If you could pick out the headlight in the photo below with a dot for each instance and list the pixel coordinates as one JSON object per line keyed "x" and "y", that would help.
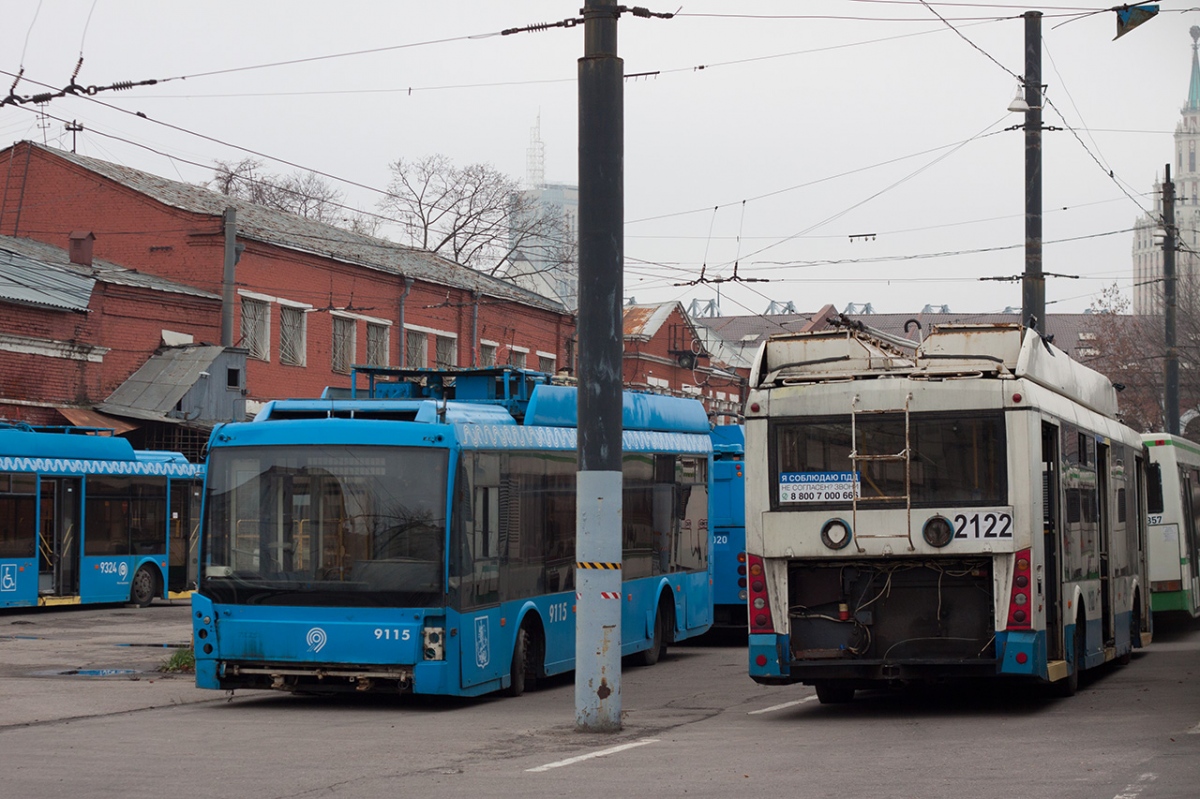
{"x": 835, "y": 534}
{"x": 937, "y": 531}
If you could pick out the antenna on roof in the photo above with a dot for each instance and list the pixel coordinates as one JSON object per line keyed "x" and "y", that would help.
{"x": 535, "y": 156}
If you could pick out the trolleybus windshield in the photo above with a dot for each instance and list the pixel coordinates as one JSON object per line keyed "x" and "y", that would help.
{"x": 953, "y": 459}
{"x": 325, "y": 525}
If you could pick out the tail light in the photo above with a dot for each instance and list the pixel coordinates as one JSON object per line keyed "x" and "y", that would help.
{"x": 759, "y": 604}
{"x": 1020, "y": 608}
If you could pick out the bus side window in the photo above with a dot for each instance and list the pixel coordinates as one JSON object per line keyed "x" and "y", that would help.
{"x": 479, "y": 543}
{"x": 1154, "y": 493}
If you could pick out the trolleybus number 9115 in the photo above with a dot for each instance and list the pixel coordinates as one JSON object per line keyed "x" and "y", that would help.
{"x": 392, "y": 634}
{"x": 983, "y": 525}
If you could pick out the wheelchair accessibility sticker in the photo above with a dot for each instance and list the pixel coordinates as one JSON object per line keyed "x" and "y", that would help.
{"x": 483, "y": 646}
{"x": 8, "y": 577}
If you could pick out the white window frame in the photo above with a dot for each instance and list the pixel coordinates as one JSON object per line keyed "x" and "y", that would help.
{"x": 495, "y": 347}
{"x": 437, "y": 341}
{"x": 411, "y": 362}
{"x": 386, "y": 331}
{"x": 429, "y": 332}
{"x": 524, "y": 351}
{"x": 333, "y": 337}
{"x": 302, "y": 345}
{"x": 263, "y": 352}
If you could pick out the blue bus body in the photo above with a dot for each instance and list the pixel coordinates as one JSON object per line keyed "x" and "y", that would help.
{"x": 85, "y": 518}
{"x": 399, "y": 542}
{"x": 729, "y": 526}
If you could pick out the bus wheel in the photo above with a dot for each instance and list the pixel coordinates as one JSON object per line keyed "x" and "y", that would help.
{"x": 144, "y": 587}
{"x": 522, "y": 649}
{"x": 834, "y": 692}
{"x": 658, "y": 645}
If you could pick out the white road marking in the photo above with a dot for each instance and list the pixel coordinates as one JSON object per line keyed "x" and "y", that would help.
{"x": 773, "y": 708}
{"x": 1134, "y": 790}
{"x": 1194, "y": 730}
{"x": 610, "y": 751}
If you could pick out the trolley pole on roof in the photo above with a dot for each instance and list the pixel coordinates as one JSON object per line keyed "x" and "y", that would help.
{"x": 1033, "y": 283}
{"x": 601, "y": 259}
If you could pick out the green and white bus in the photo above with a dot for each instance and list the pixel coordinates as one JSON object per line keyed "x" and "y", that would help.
{"x": 1173, "y": 506}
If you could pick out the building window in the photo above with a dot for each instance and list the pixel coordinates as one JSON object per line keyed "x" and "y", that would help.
{"x": 377, "y": 344}
{"x": 516, "y": 358}
{"x": 545, "y": 364}
{"x": 291, "y": 336}
{"x": 256, "y": 328}
{"x": 343, "y": 344}
{"x": 447, "y": 352}
{"x": 487, "y": 354}
{"x": 233, "y": 378}
{"x": 414, "y": 349}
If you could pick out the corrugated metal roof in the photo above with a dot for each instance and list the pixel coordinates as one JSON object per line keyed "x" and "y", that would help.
{"x": 158, "y": 386}
{"x": 295, "y": 232}
{"x": 644, "y": 321}
{"x": 47, "y": 255}
{"x": 29, "y": 281}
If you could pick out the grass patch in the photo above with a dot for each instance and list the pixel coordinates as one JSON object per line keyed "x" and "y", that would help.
{"x": 182, "y": 661}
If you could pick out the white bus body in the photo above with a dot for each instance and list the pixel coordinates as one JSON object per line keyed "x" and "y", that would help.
{"x": 970, "y": 509}
{"x": 1174, "y": 503}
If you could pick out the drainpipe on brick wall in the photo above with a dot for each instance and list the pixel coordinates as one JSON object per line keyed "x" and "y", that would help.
{"x": 229, "y": 220}
{"x": 475, "y": 329}
{"x": 403, "y": 337}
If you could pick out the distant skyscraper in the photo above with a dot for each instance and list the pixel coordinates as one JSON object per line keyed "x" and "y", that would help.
{"x": 544, "y": 232}
{"x": 1147, "y": 255}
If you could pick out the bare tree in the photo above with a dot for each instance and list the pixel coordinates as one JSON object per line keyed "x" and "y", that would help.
{"x": 305, "y": 194}
{"x": 474, "y": 215}
{"x": 1128, "y": 349}
{"x": 1131, "y": 350}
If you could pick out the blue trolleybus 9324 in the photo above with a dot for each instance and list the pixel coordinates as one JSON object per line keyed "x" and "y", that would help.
{"x": 86, "y": 518}
{"x": 422, "y": 539}
{"x": 970, "y": 509}
{"x": 729, "y": 527}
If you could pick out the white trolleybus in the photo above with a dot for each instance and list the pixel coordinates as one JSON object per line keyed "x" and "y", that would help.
{"x": 1173, "y": 503}
{"x": 971, "y": 509}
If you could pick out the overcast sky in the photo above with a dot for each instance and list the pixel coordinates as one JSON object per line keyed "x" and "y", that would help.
{"x": 809, "y": 124}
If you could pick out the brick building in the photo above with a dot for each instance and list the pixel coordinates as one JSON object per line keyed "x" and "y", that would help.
{"x": 664, "y": 351}
{"x": 308, "y": 299}
{"x": 72, "y": 328}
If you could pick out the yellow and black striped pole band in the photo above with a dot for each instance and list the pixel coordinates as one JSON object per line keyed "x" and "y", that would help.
{"x": 591, "y": 564}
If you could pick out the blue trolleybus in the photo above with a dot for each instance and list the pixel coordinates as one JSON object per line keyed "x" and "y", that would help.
{"x": 729, "y": 526}
{"x": 422, "y": 539}
{"x": 86, "y": 518}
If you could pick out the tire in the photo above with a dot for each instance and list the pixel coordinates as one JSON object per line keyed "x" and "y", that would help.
{"x": 143, "y": 588}
{"x": 658, "y": 643}
{"x": 1070, "y": 685}
{"x": 834, "y": 692}
{"x": 519, "y": 669}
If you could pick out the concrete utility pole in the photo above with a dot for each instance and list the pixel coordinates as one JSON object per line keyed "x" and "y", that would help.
{"x": 1171, "y": 377}
{"x": 1033, "y": 283}
{"x": 601, "y": 259}
{"x": 229, "y": 220}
